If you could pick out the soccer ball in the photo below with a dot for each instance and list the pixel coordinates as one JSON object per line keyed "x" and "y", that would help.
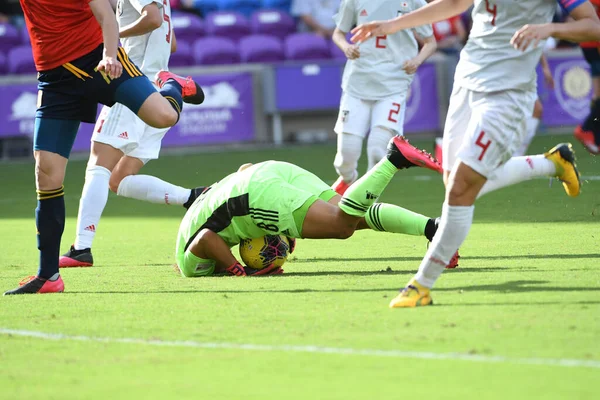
{"x": 261, "y": 252}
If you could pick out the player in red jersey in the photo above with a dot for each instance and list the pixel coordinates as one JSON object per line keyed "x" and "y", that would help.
{"x": 80, "y": 64}
{"x": 588, "y": 133}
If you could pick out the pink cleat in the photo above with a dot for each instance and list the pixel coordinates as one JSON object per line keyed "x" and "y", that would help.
{"x": 76, "y": 258}
{"x": 404, "y": 155}
{"x": 190, "y": 91}
{"x": 35, "y": 284}
{"x": 340, "y": 186}
{"x": 453, "y": 261}
{"x": 588, "y": 140}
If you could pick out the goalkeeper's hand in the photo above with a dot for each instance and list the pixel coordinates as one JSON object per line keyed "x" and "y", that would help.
{"x": 292, "y": 243}
{"x": 238, "y": 269}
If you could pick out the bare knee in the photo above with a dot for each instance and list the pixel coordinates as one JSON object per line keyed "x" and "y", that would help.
{"x": 166, "y": 118}
{"x": 115, "y": 181}
{"x": 464, "y": 186}
{"x": 49, "y": 170}
{"x": 538, "y": 110}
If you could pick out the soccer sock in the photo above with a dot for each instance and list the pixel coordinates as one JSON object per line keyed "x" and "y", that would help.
{"x": 519, "y": 169}
{"x": 363, "y": 193}
{"x": 390, "y": 218}
{"x": 154, "y": 190}
{"x": 349, "y": 148}
{"x": 91, "y": 205}
{"x": 590, "y": 121}
{"x": 452, "y": 232}
{"x": 377, "y": 144}
{"x": 532, "y": 126}
{"x": 50, "y": 222}
{"x": 171, "y": 91}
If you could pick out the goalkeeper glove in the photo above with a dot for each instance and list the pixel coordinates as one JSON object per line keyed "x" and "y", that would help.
{"x": 238, "y": 269}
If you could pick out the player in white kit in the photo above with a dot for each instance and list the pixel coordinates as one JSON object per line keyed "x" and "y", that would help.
{"x": 494, "y": 93}
{"x": 376, "y": 81}
{"x": 122, "y": 143}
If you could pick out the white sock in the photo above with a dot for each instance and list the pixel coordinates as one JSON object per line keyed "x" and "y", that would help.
{"x": 91, "y": 205}
{"x": 452, "y": 232}
{"x": 519, "y": 169}
{"x": 349, "y": 148}
{"x": 377, "y": 144}
{"x": 152, "y": 189}
{"x": 532, "y": 126}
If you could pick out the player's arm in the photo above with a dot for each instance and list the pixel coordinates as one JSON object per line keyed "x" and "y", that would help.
{"x": 207, "y": 245}
{"x": 173, "y": 41}
{"x": 105, "y": 16}
{"x": 350, "y": 50}
{"x": 435, "y": 11}
{"x": 584, "y": 26}
{"x": 345, "y": 19}
{"x": 151, "y": 18}
{"x": 428, "y": 47}
{"x": 548, "y": 78}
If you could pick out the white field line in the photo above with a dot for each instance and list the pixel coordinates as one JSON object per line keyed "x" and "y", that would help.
{"x": 560, "y": 362}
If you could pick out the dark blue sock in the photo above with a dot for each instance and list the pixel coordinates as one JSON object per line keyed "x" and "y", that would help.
{"x": 171, "y": 91}
{"x": 50, "y": 222}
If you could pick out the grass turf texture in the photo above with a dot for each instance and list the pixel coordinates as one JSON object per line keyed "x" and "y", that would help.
{"x": 528, "y": 287}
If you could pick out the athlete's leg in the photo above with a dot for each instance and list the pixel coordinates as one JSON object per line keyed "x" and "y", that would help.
{"x": 531, "y": 128}
{"x": 351, "y": 128}
{"x": 387, "y": 120}
{"x": 383, "y": 217}
{"x": 377, "y": 144}
{"x": 493, "y": 133}
{"x": 125, "y": 182}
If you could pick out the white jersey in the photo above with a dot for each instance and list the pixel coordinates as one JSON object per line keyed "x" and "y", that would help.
{"x": 150, "y": 52}
{"x": 377, "y": 73}
{"x": 488, "y": 62}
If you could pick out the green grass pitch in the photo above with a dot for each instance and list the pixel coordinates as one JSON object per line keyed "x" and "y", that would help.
{"x": 525, "y": 299}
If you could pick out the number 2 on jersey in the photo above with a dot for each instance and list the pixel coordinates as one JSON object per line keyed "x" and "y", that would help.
{"x": 168, "y": 20}
{"x": 492, "y": 10}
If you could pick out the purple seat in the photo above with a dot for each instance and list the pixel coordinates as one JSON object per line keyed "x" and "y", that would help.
{"x": 229, "y": 24}
{"x": 261, "y": 48}
{"x": 215, "y": 51}
{"x": 20, "y": 60}
{"x": 272, "y": 22}
{"x": 9, "y": 37}
{"x": 183, "y": 57}
{"x": 187, "y": 26}
{"x": 306, "y": 46}
{"x": 3, "y": 66}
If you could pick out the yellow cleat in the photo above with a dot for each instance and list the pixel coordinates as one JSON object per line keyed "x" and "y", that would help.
{"x": 563, "y": 157}
{"x": 413, "y": 295}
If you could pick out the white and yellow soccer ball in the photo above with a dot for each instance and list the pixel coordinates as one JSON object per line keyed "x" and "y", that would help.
{"x": 261, "y": 252}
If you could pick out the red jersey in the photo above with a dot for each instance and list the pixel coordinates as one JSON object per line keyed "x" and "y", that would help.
{"x": 596, "y": 4}
{"x": 60, "y": 31}
{"x": 445, "y": 28}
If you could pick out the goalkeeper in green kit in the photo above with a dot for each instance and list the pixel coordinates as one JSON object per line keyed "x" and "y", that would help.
{"x": 274, "y": 197}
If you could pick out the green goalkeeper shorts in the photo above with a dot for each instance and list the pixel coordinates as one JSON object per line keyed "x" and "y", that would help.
{"x": 288, "y": 189}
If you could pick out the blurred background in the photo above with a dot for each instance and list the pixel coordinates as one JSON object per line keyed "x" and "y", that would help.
{"x": 272, "y": 76}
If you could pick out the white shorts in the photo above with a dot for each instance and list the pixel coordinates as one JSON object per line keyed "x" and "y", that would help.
{"x": 358, "y": 117}
{"x": 483, "y": 130}
{"x": 120, "y": 128}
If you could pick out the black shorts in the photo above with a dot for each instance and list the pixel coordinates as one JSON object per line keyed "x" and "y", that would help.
{"x": 592, "y": 56}
{"x": 73, "y": 90}
{"x": 70, "y": 94}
